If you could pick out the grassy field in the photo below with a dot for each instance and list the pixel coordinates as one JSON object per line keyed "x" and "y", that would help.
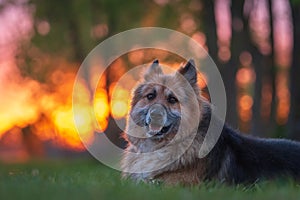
{"x": 91, "y": 180}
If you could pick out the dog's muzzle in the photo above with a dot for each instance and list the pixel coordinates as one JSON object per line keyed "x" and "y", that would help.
{"x": 156, "y": 119}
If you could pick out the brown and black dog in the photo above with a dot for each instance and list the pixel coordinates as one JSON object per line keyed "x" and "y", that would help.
{"x": 166, "y": 127}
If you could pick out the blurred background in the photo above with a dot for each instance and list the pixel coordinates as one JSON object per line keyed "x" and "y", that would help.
{"x": 255, "y": 44}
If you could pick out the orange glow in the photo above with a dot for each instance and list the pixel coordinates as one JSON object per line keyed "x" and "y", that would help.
{"x": 245, "y": 76}
{"x": 246, "y": 102}
{"x": 245, "y": 58}
{"x": 266, "y": 100}
{"x": 101, "y": 108}
{"x": 283, "y": 96}
{"x": 65, "y": 127}
{"x": 200, "y": 38}
{"x": 202, "y": 80}
{"x": 187, "y": 23}
{"x": 119, "y": 109}
{"x": 282, "y": 112}
{"x": 59, "y": 123}
{"x": 119, "y": 102}
{"x": 45, "y": 108}
{"x": 18, "y": 108}
{"x": 245, "y": 105}
{"x": 135, "y": 57}
{"x": 224, "y": 53}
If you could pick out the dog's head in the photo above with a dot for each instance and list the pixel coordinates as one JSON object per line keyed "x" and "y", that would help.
{"x": 160, "y": 101}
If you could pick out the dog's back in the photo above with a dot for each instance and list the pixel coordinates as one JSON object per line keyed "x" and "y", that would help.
{"x": 247, "y": 159}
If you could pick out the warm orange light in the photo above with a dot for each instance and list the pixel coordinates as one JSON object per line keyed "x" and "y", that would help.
{"x": 50, "y": 114}
{"x": 101, "y": 108}
{"x": 119, "y": 102}
{"x": 199, "y": 37}
{"x": 282, "y": 112}
{"x": 119, "y": 109}
{"x": 202, "y": 80}
{"x": 188, "y": 23}
{"x": 66, "y": 131}
{"x": 246, "y": 102}
{"x": 135, "y": 57}
{"x": 224, "y": 53}
{"x": 245, "y": 105}
{"x": 84, "y": 123}
{"x": 266, "y": 100}
{"x": 17, "y": 105}
{"x": 283, "y": 97}
{"x": 245, "y": 76}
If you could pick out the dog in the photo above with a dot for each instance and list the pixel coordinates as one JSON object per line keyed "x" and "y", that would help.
{"x": 166, "y": 126}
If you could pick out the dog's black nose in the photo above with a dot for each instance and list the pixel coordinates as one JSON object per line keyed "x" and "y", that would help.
{"x": 156, "y": 115}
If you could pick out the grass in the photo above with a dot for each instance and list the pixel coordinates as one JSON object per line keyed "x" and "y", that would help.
{"x": 91, "y": 180}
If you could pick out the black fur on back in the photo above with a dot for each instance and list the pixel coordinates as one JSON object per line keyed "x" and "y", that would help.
{"x": 239, "y": 158}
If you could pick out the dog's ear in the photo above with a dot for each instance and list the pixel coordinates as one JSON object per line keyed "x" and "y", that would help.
{"x": 189, "y": 72}
{"x": 153, "y": 70}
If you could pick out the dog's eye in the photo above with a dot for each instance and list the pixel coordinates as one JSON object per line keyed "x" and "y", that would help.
{"x": 172, "y": 100}
{"x": 150, "y": 96}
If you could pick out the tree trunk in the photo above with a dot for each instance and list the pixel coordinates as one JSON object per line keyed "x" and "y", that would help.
{"x": 227, "y": 70}
{"x": 264, "y": 69}
{"x": 210, "y": 29}
{"x": 294, "y": 116}
{"x": 239, "y": 43}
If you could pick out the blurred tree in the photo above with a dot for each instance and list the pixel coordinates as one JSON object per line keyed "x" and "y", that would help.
{"x": 210, "y": 28}
{"x": 227, "y": 69}
{"x": 238, "y": 34}
{"x": 265, "y": 74}
{"x": 294, "y": 116}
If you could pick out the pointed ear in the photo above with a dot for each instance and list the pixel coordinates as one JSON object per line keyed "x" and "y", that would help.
{"x": 153, "y": 70}
{"x": 189, "y": 72}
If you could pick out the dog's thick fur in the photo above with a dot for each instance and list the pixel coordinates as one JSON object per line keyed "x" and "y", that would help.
{"x": 236, "y": 158}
